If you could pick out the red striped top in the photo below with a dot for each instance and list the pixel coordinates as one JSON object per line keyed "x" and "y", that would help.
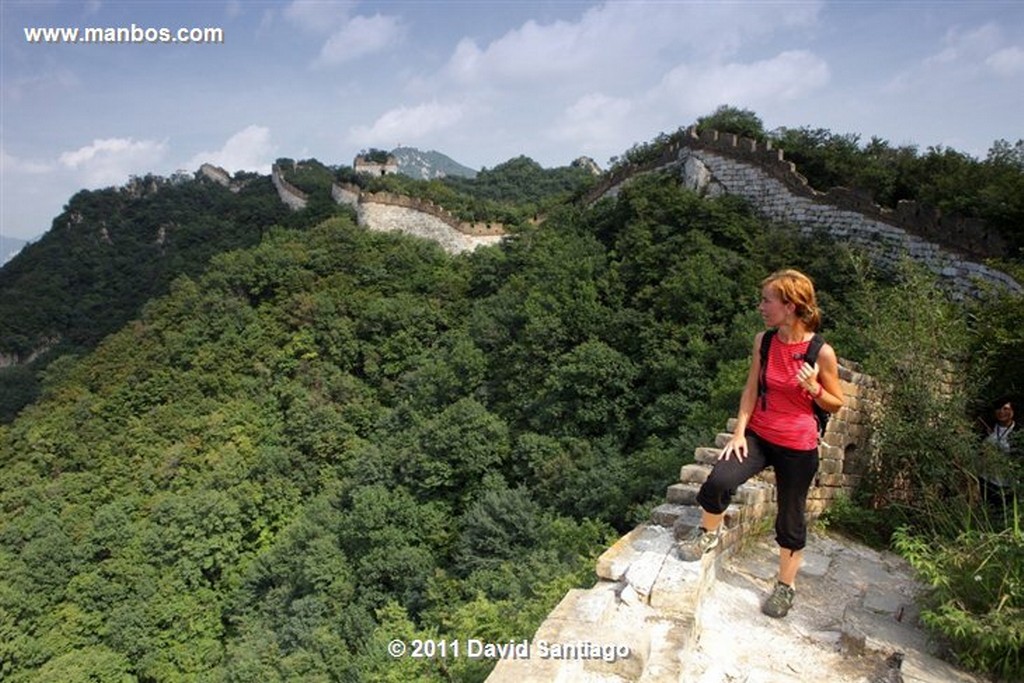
{"x": 788, "y": 420}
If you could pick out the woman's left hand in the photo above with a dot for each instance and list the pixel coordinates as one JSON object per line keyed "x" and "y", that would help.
{"x": 807, "y": 376}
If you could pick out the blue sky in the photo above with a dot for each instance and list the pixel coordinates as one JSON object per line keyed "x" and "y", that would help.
{"x": 481, "y": 81}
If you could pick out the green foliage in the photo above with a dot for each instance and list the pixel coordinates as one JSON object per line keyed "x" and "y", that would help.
{"x": 859, "y": 521}
{"x": 922, "y": 450}
{"x": 728, "y": 119}
{"x": 110, "y": 252}
{"x": 976, "y": 597}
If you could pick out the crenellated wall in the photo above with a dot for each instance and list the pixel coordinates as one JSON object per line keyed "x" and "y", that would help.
{"x": 292, "y": 196}
{"x": 387, "y": 211}
{"x": 712, "y": 164}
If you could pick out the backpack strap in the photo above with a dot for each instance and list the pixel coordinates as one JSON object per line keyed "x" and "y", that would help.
{"x": 811, "y": 356}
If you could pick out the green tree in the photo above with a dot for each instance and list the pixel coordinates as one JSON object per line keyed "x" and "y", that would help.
{"x": 729, "y": 119}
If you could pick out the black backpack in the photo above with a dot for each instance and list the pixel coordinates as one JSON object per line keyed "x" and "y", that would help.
{"x": 811, "y": 357}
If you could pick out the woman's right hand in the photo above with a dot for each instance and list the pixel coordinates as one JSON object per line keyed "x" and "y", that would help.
{"x": 738, "y": 445}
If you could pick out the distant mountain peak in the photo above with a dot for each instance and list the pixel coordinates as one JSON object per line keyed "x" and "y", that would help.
{"x": 422, "y": 165}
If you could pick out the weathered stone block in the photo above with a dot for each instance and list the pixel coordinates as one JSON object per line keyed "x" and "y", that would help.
{"x": 707, "y": 456}
{"x": 694, "y": 474}
{"x": 614, "y": 562}
{"x": 687, "y": 521}
{"x": 682, "y": 494}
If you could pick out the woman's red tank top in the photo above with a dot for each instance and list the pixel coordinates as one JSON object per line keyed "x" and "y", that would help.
{"x": 787, "y": 420}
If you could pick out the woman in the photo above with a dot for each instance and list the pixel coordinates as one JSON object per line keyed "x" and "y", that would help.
{"x": 776, "y": 430}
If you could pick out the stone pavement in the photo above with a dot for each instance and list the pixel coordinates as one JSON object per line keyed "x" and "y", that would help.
{"x": 655, "y": 619}
{"x": 854, "y": 607}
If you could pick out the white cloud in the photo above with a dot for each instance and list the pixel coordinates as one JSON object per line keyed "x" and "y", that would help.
{"x": 359, "y": 37}
{"x": 592, "y": 121}
{"x": 111, "y": 161}
{"x": 249, "y": 149}
{"x": 407, "y": 124}
{"x": 618, "y": 42}
{"x": 966, "y": 61}
{"x": 318, "y": 16}
{"x": 1007, "y": 62}
{"x": 967, "y": 47}
{"x": 699, "y": 89}
{"x": 12, "y": 165}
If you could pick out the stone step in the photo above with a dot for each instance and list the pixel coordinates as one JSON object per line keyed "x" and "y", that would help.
{"x": 669, "y": 515}
{"x": 754, "y": 492}
{"x": 722, "y": 438}
{"x": 693, "y": 473}
{"x": 613, "y": 563}
{"x": 682, "y": 493}
{"x": 706, "y": 455}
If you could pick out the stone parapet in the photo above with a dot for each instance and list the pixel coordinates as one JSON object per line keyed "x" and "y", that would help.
{"x": 294, "y": 198}
{"x": 387, "y": 211}
{"x": 713, "y": 163}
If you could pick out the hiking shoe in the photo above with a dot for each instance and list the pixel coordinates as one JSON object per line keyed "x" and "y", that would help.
{"x": 699, "y": 542}
{"x": 778, "y": 603}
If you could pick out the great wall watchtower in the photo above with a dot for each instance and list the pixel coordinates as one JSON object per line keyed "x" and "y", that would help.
{"x": 371, "y": 165}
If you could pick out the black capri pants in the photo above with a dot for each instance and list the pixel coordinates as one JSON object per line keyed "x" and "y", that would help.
{"x": 794, "y": 472}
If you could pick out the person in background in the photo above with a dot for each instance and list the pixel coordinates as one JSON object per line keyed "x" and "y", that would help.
{"x": 1001, "y": 454}
{"x": 777, "y": 429}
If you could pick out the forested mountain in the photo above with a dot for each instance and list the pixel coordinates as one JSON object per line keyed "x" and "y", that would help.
{"x": 112, "y": 250}
{"x": 286, "y": 441}
{"x": 336, "y": 437}
{"x": 108, "y": 253}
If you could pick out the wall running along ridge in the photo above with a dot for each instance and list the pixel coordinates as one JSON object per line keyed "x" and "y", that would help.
{"x": 713, "y": 164}
{"x": 388, "y": 212}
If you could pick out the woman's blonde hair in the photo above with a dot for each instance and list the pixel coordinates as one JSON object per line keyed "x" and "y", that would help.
{"x": 793, "y": 287}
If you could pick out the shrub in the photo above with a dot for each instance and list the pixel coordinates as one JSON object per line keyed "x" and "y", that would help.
{"x": 976, "y": 597}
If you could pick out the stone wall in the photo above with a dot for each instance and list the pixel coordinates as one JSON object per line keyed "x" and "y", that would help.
{"x": 216, "y": 174}
{"x": 375, "y": 168}
{"x": 394, "y": 218}
{"x": 714, "y": 164}
{"x": 294, "y": 198}
{"x": 387, "y": 211}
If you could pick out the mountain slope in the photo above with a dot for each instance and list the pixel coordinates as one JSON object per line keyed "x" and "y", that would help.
{"x": 427, "y": 165}
{"x": 339, "y": 437}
